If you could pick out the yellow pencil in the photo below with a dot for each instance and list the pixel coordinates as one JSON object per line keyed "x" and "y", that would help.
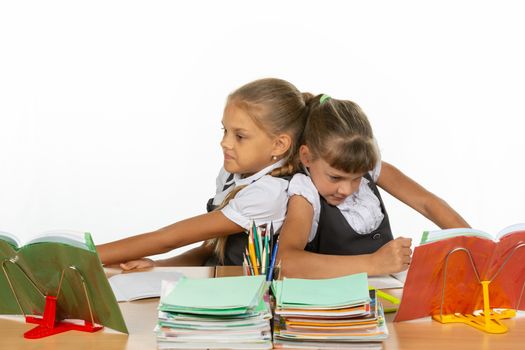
{"x": 251, "y": 250}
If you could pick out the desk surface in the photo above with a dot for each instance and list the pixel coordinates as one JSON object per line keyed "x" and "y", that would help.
{"x": 141, "y": 317}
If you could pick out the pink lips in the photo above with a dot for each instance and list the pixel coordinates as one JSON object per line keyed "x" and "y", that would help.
{"x": 337, "y": 200}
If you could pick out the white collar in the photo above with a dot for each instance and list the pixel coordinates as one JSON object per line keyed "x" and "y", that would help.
{"x": 248, "y": 180}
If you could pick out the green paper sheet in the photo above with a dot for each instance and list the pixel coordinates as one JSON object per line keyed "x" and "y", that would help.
{"x": 330, "y": 292}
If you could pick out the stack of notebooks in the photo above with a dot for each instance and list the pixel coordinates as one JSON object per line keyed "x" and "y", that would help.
{"x": 327, "y": 313}
{"x": 215, "y": 313}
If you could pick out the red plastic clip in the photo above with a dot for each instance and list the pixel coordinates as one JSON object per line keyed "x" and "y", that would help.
{"x": 47, "y": 325}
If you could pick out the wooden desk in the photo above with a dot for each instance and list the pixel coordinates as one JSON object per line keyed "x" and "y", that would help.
{"x": 426, "y": 333}
{"x": 141, "y": 317}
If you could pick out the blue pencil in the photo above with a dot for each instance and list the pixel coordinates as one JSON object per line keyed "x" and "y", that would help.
{"x": 272, "y": 264}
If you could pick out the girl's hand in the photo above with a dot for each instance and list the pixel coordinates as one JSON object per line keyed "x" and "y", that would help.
{"x": 137, "y": 264}
{"x": 394, "y": 256}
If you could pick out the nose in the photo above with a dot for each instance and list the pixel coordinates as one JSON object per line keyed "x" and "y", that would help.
{"x": 345, "y": 188}
{"x": 225, "y": 144}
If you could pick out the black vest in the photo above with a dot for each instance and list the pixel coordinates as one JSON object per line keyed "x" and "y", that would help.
{"x": 236, "y": 243}
{"x": 335, "y": 235}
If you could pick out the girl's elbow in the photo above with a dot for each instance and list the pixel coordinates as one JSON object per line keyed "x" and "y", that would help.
{"x": 281, "y": 257}
{"x": 285, "y": 259}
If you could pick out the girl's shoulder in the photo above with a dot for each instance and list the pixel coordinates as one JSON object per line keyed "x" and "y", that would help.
{"x": 267, "y": 187}
{"x": 301, "y": 180}
{"x": 302, "y": 185}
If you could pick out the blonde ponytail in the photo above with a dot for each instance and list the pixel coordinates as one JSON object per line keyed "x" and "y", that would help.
{"x": 219, "y": 243}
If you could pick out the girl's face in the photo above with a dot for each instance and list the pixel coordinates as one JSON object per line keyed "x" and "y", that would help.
{"x": 333, "y": 185}
{"x": 247, "y": 148}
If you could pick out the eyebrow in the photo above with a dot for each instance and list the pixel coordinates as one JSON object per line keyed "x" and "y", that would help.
{"x": 236, "y": 129}
{"x": 345, "y": 176}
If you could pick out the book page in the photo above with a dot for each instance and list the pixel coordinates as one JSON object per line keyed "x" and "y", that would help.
{"x": 438, "y": 235}
{"x": 333, "y": 292}
{"x": 510, "y": 229}
{"x": 69, "y": 237}
{"x": 384, "y": 282}
{"x": 401, "y": 276}
{"x": 140, "y": 285}
{"x": 220, "y": 294}
{"x": 10, "y": 238}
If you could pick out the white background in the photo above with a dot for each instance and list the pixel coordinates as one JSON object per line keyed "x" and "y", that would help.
{"x": 110, "y": 111}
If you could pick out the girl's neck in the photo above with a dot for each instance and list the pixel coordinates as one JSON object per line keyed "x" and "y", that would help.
{"x": 266, "y": 169}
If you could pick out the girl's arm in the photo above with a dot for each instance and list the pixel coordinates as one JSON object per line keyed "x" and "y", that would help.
{"x": 195, "y": 229}
{"x": 296, "y": 262}
{"x": 393, "y": 181}
{"x": 193, "y": 257}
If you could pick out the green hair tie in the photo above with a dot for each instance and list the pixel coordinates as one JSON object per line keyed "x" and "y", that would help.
{"x": 324, "y": 98}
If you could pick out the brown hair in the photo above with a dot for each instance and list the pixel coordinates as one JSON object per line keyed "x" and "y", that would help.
{"x": 277, "y": 107}
{"x": 339, "y": 132}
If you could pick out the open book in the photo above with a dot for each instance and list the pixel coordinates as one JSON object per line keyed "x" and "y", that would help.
{"x": 68, "y": 237}
{"x": 140, "y": 285}
{"x": 448, "y": 265}
{"x": 395, "y": 280}
{"x": 61, "y": 264}
{"x": 438, "y": 235}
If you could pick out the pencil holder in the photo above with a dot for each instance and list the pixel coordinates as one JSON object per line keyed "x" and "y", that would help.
{"x": 274, "y": 275}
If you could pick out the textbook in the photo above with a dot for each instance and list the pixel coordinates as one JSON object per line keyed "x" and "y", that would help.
{"x": 332, "y": 313}
{"x": 140, "y": 285}
{"x": 218, "y": 296}
{"x": 334, "y": 292}
{"x": 214, "y": 313}
{"x": 395, "y": 280}
{"x": 59, "y": 265}
{"x": 448, "y": 266}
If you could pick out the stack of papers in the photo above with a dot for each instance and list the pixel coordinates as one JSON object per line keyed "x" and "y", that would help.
{"x": 327, "y": 313}
{"x": 215, "y": 313}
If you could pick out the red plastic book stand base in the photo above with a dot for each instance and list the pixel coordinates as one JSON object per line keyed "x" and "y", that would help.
{"x": 47, "y": 325}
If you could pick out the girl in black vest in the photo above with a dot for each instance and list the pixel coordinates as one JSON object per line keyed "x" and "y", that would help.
{"x": 336, "y": 222}
{"x": 262, "y": 124}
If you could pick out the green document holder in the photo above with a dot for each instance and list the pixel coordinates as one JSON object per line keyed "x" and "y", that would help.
{"x": 52, "y": 284}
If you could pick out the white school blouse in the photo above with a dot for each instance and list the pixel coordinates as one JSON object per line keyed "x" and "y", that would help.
{"x": 362, "y": 210}
{"x": 263, "y": 200}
